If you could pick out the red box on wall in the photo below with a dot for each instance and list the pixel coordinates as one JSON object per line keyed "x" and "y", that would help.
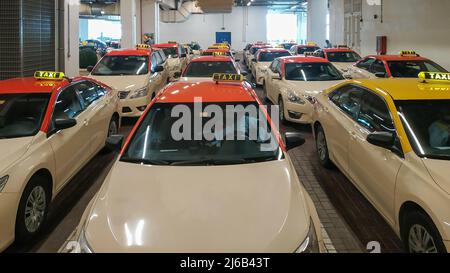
{"x": 381, "y": 45}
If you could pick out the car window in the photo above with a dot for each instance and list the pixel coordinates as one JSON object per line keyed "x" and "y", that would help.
{"x": 163, "y": 56}
{"x": 270, "y": 56}
{"x": 274, "y": 65}
{"x": 279, "y": 68}
{"x": 303, "y": 50}
{"x": 410, "y": 69}
{"x": 154, "y": 62}
{"x": 349, "y": 100}
{"x": 311, "y": 72}
{"x": 68, "y": 104}
{"x": 159, "y": 60}
{"x": 374, "y": 114}
{"x": 101, "y": 91}
{"x": 366, "y": 63}
{"x": 87, "y": 91}
{"x": 378, "y": 67}
{"x": 320, "y": 53}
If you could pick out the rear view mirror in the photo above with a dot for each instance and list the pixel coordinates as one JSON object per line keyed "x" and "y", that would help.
{"x": 384, "y": 140}
{"x": 276, "y": 76}
{"x": 159, "y": 68}
{"x": 244, "y": 73}
{"x": 64, "y": 123}
{"x": 177, "y": 74}
{"x": 114, "y": 142}
{"x": 237, "y": 60}
{"x": 380, "y": 74}
{"x": 293, "y": 140}
{"x": 183, "y": 55}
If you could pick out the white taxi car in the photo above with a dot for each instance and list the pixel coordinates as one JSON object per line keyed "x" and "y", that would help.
{"x": 391, "y": 138}
{"x": 293, "y": 82}
{"x": 248, "y": 197}
{"x": 177, "y": 57}
{"x": 342, "y": 57}
{"x": 263, "y": 59}
{"x": 50, "y": 127}
{"x": 303, "y": 49}
{"x": 136, "y": 75}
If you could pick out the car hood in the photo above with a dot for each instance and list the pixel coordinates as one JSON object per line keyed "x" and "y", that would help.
{"x": 344, "y": 67}
{"x": 263, "y": 64}
{"x": 173, "y": 61}
{"x": 311, "y": 88}
{"x": 123, "y": 83}
{"x": 240, "y": 208}
{"x": 438, "y": 170}
{"x": 195, "y": 79}
{"x": 12, "y": 150}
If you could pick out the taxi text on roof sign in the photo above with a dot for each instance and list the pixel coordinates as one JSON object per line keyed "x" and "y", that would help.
{"x": 223, "y": 77}
{"x": 142, "y": 46}
{"x": 408, "y": 53}
{"x": 313, "y": 54}
{"x": 48, "y": 75}
{"x": 434, "y": 77}
{"x": 219, "y": 54}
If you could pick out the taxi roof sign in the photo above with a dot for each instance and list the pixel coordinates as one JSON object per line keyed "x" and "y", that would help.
{"x": 311, "y": 44}
{"x": 172, "y": 42}
{"x": 224, "y": 77}
{"x": 142, "y": 46}
{"x": 408, "y": 53}
{"x": 342, "y": 46}
{"x": 48, "y": 75}
{"x": 430, "y": 77}
{"x": 312, "y": 54}
{"x": 219, "y": 54}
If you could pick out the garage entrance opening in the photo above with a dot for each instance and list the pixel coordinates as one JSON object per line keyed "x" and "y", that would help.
{"x": 281, "y": 28}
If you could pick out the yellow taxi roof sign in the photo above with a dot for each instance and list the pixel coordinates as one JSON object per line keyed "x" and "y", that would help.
{"x": 142, "y": 46}
{"x": 172, "y": 42}
{"x": 224, "y": 77}
{"x": 408, "y": 53}
{"x": 438, "y": 77}
{"x": 342, "y": 46}
{"x": 219, "y": 54}
{"x": 311, "y": 44}
{"x": 48, "y": 75}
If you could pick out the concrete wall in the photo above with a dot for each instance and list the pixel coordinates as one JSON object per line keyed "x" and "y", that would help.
{"x": 317, "y": 21}
{"x": 71, "y": 37}
{"x": 409, "y": 24}
{"x": 203, "y": 28}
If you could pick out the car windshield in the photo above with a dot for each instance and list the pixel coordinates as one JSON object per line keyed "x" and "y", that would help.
{"x": 343, "y": 57}
{"x": 312, "y": 72}
{"x": 253, "y": 50}
{"x": 427, "y": 124}
{"x": 210, "y": 53}
{"x": 170, "y": 135}
{"x": 270, "y": 56}
{"x": 171, "y": 52}
{"x": 121, "y": 65}
{"x": 21, "y": 115}
{"x": 303, "y": 50}
{"x": 288, "y": 46}
{"x": 207, "y": 69}
{"x": 411, "y": 69}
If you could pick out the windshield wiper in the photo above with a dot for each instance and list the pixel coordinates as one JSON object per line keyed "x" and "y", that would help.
{"x": 144, "y": 161}
{"x": 209, "y": 162}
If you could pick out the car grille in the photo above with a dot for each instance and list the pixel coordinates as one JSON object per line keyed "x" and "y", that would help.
{"x": 123, "y": 95}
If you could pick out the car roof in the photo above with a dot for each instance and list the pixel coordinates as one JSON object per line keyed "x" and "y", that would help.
{"x": 397, "y": 58}
{"x": 337, "y": 49}
{"x": 30, "y": 85}
{"x": 209, "y": 91}
{"x": 406, "y": 89}
{"x": 303, "y": 59}
{"x": 273, "y": 50}
{"x": 217, "y": 50}
{"x": 166, "y": 45}
{"x": 212, "y": 59}
{"x": 307, "y": 46}
{"x": 130, "y": 52}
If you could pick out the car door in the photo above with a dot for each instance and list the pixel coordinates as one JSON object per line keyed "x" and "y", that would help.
{"x": 96, "y": 113}
{"x": 339, "y": 121}
{"x": 71, "y": 147}
{"x": 373, "y": 169}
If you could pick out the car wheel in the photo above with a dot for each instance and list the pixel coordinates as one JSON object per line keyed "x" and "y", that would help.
{"x": 281, "y": 110}
{"x": 421, "y": 235}
{"x": 322, "y": 148}
{"x": 265, "y": 98}
{"x": 113, "y": 127}
{"x": 33, "y": 209}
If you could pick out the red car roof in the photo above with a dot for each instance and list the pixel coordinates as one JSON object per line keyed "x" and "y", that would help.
{"x": 212, "y": 59}
{"x": 343, "y": 49}
{"x": 302, "y": 59}
{"x": 30, "y": 85}
{"x": 209, "y": 91}
{"x": 166, "y": 45}
{"x": 130, "y": 52}
{"x": 397, "y": 58}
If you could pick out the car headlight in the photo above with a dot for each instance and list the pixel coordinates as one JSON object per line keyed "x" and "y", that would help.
{"x": 84, "y": 245}
{"x": 295, "y": 99}
{"x": 139, "y": 93}
{"x": 3, "y": 181}
{"x": 311, "y": 242}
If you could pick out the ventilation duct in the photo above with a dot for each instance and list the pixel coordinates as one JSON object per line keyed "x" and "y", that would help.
{"x": 181, "y": 14}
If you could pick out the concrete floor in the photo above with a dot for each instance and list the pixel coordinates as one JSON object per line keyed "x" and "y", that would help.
{"x": 349, "y": 221}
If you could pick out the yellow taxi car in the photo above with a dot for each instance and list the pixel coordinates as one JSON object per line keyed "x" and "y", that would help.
{"x": 293, "y": 82}
{"x": 391, "y": 138}
{"x": 136, "y": 75}
{"x": 176, "y": 54}
{"x": 407, "y": 64}
{"x": 263, "y": 58}
{"x": 204, "y": 67}
{"x": 248, "y": 197}
{"x": 50, "y": 127}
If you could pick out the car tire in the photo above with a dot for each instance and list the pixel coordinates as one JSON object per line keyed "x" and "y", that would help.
{"x": 416, "y": 224}
{"x": 281, "y": 111}
{"x": 265, "y": 97}
{"x": 322, "y": 148}
{"x": 33, "y": 209}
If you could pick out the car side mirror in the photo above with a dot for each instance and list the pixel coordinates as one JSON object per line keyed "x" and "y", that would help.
{"x": 183, "y": 55}
{"x": 380, "y": 74}
{"x": 276, "y": 76}
{"x": 177, "y": 74}
{"x": 114, "y": 142}
{"x": 244, "y": 73}
{"x": 347, "y": 76}
{"x": 293, "y": 140}
{"x": 159, "y": 68}
{"x": 254, "y": 60}
{"x": 384, "y": 140}
{"x": 237, "y": 60}
{"x": 64, "y": 123}
{"x": 89, "y": 68}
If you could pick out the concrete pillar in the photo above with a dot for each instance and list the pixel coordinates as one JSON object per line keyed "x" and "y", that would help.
{"x": 71, "y": 37}
{"x": 337, "y": 22}
{"x": 128, "y": 21}
{"x": 150, "y": 18}
{"x": 317, "y": 21}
